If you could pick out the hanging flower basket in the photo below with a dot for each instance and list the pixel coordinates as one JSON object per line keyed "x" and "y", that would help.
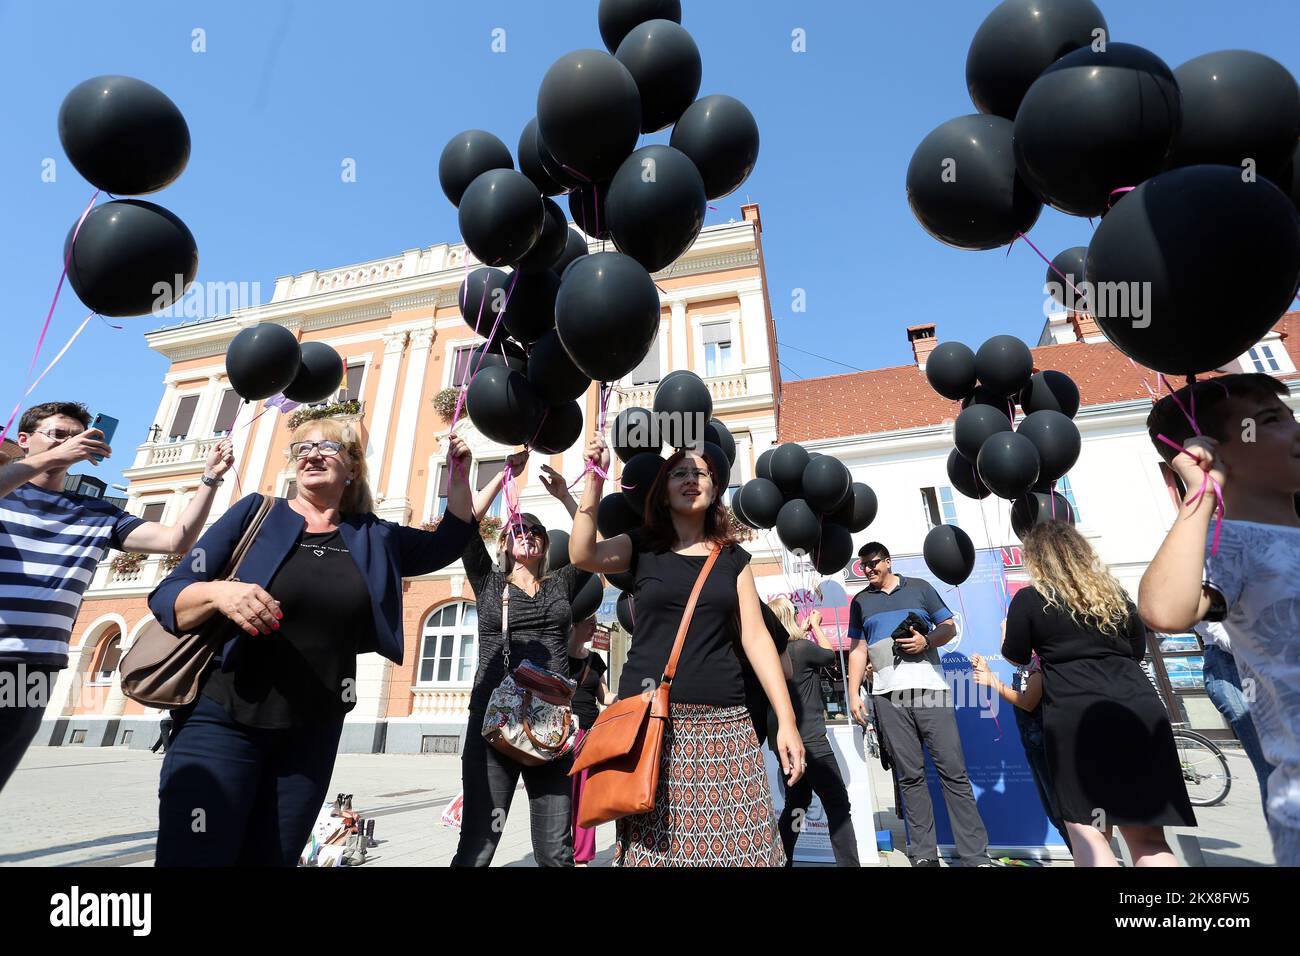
{"x": 128, "y": 562}
{"x": 445, "y": 403}
{"x": 489, "y": 527}
{"x": 739, "y": 530}
{"x": 170, "y": 561}
{"x": 351, "y": 407}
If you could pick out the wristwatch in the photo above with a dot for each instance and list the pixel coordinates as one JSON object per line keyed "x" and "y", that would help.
{"x": 212, "y": 482}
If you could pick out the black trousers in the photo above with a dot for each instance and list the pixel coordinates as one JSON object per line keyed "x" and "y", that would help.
{"x": 233, "y": 795}
{"x": 489, "y": 780}
{"x": 20, "y": 718}
{"x": 821, "y": 777}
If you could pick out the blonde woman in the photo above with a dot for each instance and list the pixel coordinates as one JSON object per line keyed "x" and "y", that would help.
{"x": 1110, "y": 748}
{"x": 321, "y": 583}
{"x": 807, "y": 658}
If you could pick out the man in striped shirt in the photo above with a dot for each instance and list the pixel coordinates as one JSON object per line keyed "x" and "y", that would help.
{"x": 50, "y": 545}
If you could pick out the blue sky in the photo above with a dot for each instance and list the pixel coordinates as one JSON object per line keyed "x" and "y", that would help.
{"x": 289, "y": 88}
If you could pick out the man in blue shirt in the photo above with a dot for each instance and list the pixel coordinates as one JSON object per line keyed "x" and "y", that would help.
{"x": 912, "y": 702}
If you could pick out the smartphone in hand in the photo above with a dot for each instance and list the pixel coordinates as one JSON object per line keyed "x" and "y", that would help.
{"x": 108, "y": 426}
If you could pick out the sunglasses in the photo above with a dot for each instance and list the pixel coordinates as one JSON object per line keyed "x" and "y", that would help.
{"x": 535, "y": 530}
{"x": 871, "y": 565}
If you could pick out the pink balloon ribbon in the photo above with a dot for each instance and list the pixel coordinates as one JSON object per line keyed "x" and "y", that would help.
{"x": 464, "y": 389}
{"x": 67, "y": 261}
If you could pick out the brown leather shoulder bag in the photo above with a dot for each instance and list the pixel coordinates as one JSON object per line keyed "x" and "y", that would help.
{"x": 165, "y": 671}
{"x": 622, "y": 750}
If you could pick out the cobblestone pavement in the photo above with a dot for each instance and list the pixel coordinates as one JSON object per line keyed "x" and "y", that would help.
{"x": 76, "y": 806}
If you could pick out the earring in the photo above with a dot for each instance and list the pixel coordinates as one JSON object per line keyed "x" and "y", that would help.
{"x": 348, "y": 482}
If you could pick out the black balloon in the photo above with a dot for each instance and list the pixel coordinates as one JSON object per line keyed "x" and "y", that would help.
{"x": 963, "y": 185}
{"x": 719, "y": 135}
{"x": 949, "y": 553}
{"x": 575, "y": 247}
{"x": 1008, "y": 464}
{"x": 739, "y": 511}
{"x": 486, "y": 356}
{"x": 530, "y": 162}
{"x": 623, "y": 580}
{"x": 950, "y": 370}
{"x": 483, "y": 295}
{"x": 1095, "y": 122}
{"x": 763, "y": 466}
{"x": 614, "y": 516}
{"x": 607, "y": 314}
{"x": 825, "y": 483}
{"x": 718, "y": 433}
{"x": 787, "y": 467}
{"x": 798, "y": 527}
{"x": 625, "y": 611}
{"x": 983, "y": 395}
{"x": 834, "y": 549}
{"x": 1238, "y": 105}
{"x": 1050, "y": 390}
{"x": 560, "y": 429}
{"x": 634, "y": 432}
{"x": 503, "y": 405}
{"x": 125, "y": 136}
{"x": 684, "y": 405}
{"x": 319, "y": 374}
{"x": 1035, "y": 508}
{"x": 553, "y": 168}
{"x": 587, "y": 600}
{"x": 858, "y": 510}
{"x": 1288, "y": 180}
{"x": 124, "y": 252}
{"x": 1057, "y": 439}
{"x": 639, "y": 473}
{"x": 964, "y": 477}
{"x": 1065, "y": 274}
{"x": 589, "y": 113}
{"x": 1018, "y": 41}
{"x": 762, "y": 501}
{"x": 262, "y": 360}
{"x": 1222, "y": 259}
{"x": 618, "y": 17}
{"x": 467, "y": 156}
{"x": 557, "y": 551}
{"x": 1004, "y": 364}
{"x": 530, "y": 311}
{"x": 551, "y": 244}
{"x": 665, "y": 63}
{"x": 501, "y": 216}
{"x": 553, "y": 373}
{"x": 976, "y": 425}
{"x": 655, "y": 207}
{"x": 587, "y": 207}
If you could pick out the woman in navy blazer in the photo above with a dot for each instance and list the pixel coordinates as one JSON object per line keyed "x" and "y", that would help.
{"x": 249, "y": 762}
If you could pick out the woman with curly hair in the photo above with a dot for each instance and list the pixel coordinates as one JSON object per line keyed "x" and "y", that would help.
{"x": 1110, "y": 748}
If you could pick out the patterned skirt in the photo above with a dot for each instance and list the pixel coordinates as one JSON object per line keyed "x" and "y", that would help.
{"x": 713, "y": 806}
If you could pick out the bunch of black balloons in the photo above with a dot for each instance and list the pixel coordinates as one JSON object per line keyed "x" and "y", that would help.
{"x": 266, "y": 359}
{"x": 993, "y": 455}
{"x": 568, "y": 316}
{"x": 1193, "y": 170}
{"x": 812, "y": 501}
{"x": 130, "y": 257}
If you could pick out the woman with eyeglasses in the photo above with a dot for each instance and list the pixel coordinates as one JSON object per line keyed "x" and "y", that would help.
{"x": 713, "y": 806}
{"x": 539, "y": 619}
{"x": 249, "y": 762}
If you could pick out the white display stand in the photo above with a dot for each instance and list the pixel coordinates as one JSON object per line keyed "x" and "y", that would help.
{"x": 814, "y": 845}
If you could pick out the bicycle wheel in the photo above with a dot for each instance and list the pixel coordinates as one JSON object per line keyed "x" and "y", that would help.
{"x": 1205, "y": 769}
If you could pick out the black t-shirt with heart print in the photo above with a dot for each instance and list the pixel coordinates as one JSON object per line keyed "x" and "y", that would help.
{"x": 305, "y": 672}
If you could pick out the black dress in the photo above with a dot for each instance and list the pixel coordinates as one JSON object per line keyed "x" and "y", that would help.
{"x": 1110, "y": 748}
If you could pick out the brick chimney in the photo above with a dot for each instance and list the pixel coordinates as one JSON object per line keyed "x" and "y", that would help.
{"x": 1085, "y": 327}
{"x": 924, "y": 341}
{"x": 749, "y": 212}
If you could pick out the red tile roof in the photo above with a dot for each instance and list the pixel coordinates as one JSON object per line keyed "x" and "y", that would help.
{"x": 889, "y": 399}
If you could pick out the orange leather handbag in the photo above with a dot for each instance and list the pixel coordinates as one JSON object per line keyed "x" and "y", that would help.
{"x": 621, "y": 752}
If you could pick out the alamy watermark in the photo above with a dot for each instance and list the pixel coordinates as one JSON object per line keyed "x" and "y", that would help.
{"x": 1104, "y": 300}
{"x": 203, "y": 300}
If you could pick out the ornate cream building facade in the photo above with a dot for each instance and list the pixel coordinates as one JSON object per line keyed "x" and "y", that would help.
{"x": 396, "y": 324}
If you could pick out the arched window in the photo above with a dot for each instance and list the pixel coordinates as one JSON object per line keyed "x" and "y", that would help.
{"x": 107, "y": 657}
{"x": 449, "y": 645}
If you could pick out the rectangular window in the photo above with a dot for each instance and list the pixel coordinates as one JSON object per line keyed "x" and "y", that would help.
{"x": 153, "y": 511}
{"x": 441, "y": 504}
{"x": 291, "y": 490}
{"x": 947, "y": 506}
{"x": 930, "y": 506}
{"x": 487, "y": 471}
{"x": 449, "y": 649}
{"x": 90, "y": 491}
{"x": 1261, "y": 356}
{"x": 462, "y": 366}
{"x": 1065, "y": 491}
{"x": 184, "y": 416}
{"x": 648, "y": 370}
{"x": 352, "y": 382}
{"x": 226, "y": 413}
{"x": 717, "y": 349}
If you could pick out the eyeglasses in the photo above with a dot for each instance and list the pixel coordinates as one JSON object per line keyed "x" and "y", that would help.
{"x": 303, "y": 449}
{"x": 679, "y": 474}
{"x": 536, "y": 530}
{"x": 56, "y": 434}
{"x": 871, "y": 565}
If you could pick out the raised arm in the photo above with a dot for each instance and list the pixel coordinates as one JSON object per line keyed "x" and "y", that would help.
{"x": 154, "y": 537}
{"x": 89, "y": 444}
{"x": 585, "y": 550}
{"x": 422, "y": 552}
{"x": 484, "y": 497}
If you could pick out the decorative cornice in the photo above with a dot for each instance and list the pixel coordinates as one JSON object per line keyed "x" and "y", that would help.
{"x": 722, "y": 260}
{"x": 360, "y": 313}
